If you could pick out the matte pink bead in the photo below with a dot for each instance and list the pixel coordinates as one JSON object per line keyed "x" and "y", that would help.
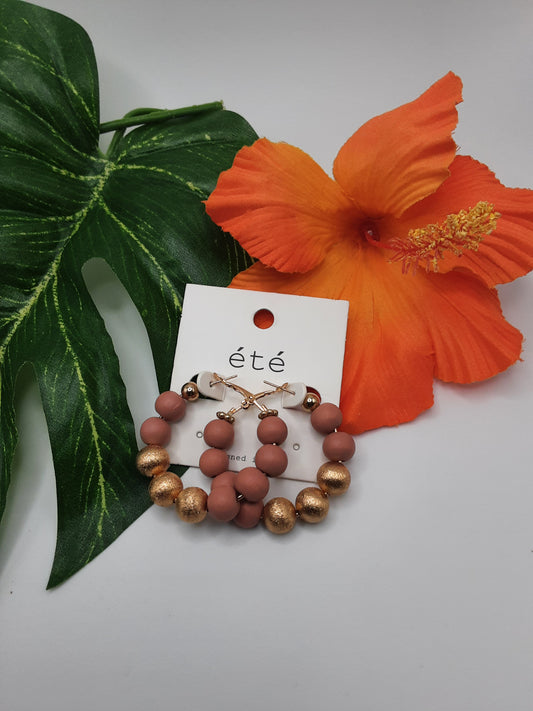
{"x": 224, "y": 479}
{"x": 326, "y": 418}
{"x": 338, "y": 446}
{"x": 272, "y": 430}
{"x": 219, "y": 433}
{"x": 271, "y": 459}
{"x": 249, "y": 514}
{"x": 252, "y": 484}
{"x": 154, "y": 430}
{"x": 171, "y": 406}
{"x": 213, "y": 462}
{"x": 222, "y": 503}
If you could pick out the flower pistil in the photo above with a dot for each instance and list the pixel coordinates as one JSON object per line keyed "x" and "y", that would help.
{"x": 459, "y": 231}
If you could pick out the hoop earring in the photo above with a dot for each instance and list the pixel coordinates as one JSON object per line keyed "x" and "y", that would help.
{"x": 238, "y": 496}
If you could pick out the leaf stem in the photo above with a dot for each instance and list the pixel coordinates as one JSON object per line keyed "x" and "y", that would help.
{"x": 144, "y": 116}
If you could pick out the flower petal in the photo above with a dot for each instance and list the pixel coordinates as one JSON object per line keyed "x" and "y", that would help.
{"x": 388, "y": 367}
{"x": 505, "y": 254}
{"x": 471, "y": 338}
{"x": 281, "y": 206}
{"x": 402, "y": 156}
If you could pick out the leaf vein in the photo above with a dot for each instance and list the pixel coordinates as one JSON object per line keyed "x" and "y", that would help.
{"x": 86, "y": 400}
{"x": 164, "y": 278}
{"x": 36, "y": 60}
{"x": 48, "y": 126}
{"x": 169, "y": 174}
{"x": 20, "y": 316}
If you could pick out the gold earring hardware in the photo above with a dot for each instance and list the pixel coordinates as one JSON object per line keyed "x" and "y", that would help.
{"x": 249, "y": 398}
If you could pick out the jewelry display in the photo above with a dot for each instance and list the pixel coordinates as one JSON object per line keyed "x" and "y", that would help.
{"x": 239, "y": 496}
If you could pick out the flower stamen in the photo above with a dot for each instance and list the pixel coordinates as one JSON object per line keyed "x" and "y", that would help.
{"x": 459, "y": 231}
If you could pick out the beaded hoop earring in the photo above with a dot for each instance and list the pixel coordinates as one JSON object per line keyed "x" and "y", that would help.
{"x": 238, "y": 496}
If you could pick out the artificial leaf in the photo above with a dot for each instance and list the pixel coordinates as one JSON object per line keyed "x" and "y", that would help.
{"x": 140, "y": 207}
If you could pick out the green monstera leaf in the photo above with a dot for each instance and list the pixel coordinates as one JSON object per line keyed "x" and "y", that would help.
{"x": 62, "y": 202}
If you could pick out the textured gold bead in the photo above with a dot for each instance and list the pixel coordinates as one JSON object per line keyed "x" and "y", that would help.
{"x": 190, "y": 392}
{"x": 191, "y": 504}
{"x": 165, "y": 489}
{"x": 333, "y": 478}
{"x": 153, "y": 460}
{"x": 312, "y": 505}
{"x": 311, "y": 402}
{"x": 279, "y": 515}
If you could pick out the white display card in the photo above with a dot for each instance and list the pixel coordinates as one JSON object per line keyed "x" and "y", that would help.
{"x": 303, "y": 346}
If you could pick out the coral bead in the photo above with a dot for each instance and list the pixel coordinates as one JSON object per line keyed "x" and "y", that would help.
{"x": 222, "y": 503}
{"x": 165, "y": 489}
{"x": 338, "y": 446}
{"x": 153, "y": 460}
{"x": 191, "y": 504}
{"x": 224, "y": 479}
{"x": 171, "y": 406}
{"x": 219, "y": 433}
{"x": 312, "y": 505}
{"x": 279, "y": 515}
{"x": 213, "y": 462}
{"x": 272, "y": 430}
{"x": 154, "y": 430}
{"x": 249, "y": 514}
{"x": 326, "y": 418}
{"x": 271, "y": 459}
{"x": 252, "y": 484}
{"x": 333, "y": 478}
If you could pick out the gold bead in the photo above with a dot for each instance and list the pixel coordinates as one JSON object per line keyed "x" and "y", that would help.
{"x": 269, "y": 412}
{"x": 191, "y": 504}
{"x": 312, "y": 505}
{"x": 333, "y": 478}
{"x": 190, "y": 392}
{"x": 165, "y": 489}
{"x": 311, "y": 402}
{"x": 225, "y": 416}
{"x": 153, "y": 460}
{"x": 279, "y": 515}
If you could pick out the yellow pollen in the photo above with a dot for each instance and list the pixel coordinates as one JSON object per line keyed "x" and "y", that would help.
{"x": 459, "y": 231}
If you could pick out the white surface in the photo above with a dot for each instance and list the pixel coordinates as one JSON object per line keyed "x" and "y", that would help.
{"x": 217, "y": 326}
{"x": 416, "y": 595}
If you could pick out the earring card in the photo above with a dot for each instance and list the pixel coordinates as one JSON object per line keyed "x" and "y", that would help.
{"x": 304, "y": 345}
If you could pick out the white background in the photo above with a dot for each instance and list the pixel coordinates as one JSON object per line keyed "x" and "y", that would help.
{"x": 416, "y": 594}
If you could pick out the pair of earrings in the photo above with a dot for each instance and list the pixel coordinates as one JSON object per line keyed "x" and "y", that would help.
{"x": 239, "y": 496}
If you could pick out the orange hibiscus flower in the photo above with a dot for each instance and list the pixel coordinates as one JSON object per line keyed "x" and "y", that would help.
{"x": 414, "y": 236}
